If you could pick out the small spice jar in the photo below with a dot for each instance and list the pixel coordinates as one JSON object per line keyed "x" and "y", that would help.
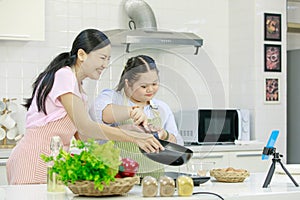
{"x": 185, "y": 185}
{"x": 150, "y": 186}
{"x": 166, "y": 186}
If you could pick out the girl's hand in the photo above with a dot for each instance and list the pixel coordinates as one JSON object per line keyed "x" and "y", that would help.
{"x": 132, "y": 127}
{"x": 139, "y": 117}
{"x": 153, "y": 128}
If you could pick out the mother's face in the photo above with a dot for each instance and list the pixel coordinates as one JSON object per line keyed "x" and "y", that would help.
{"x": 95, "y": 62}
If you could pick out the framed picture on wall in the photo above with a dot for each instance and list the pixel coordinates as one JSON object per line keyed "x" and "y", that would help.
{"x": 272, "y": 26}
{"x": 272, "y": 58}
{"x": 272, "y": 94}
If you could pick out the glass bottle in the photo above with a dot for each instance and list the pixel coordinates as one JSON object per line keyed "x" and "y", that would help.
{"x": 53, "y": 184}
{"x": 166, "y": 186}
{"x": 149, "y": 186}
{"x": 185, "y": 185}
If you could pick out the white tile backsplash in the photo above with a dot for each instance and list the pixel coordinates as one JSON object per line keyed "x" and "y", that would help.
{"x": 227, "y": 71}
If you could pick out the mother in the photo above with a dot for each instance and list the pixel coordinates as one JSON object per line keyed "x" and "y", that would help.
{"x": 58, "y": 107}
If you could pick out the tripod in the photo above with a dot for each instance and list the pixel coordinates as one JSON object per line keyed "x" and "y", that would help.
{"x": 276, "y": 158}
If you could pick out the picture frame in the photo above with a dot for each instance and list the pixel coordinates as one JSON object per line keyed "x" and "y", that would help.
{"x": 272, "y": 58}
{"x": 272, "y": 27}
{"x": 272, "y": 92}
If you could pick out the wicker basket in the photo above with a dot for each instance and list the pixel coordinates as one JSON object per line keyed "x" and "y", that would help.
{"x": 229, "y": 175}
{"x": 118, "y": 187}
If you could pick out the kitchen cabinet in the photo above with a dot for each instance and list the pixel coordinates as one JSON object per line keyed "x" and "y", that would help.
{"x": 237, "y": 156}
{"x": 22, "y": 20}
{"x": 4, "y": 154}
{"x": 220, "y": 159}
{"x": 249, "y": 160}
{"x": 3, "y": 179}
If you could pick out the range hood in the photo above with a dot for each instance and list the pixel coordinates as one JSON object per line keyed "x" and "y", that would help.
{"x": 153, "y": 38}
{"x": 143, "y": 30}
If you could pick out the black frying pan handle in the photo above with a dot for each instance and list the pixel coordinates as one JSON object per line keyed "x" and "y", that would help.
{"x": 155, "y": 134}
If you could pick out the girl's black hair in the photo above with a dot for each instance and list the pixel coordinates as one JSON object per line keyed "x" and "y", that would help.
{"x": 133, "y": 68}
{"x": 87, "y": 40}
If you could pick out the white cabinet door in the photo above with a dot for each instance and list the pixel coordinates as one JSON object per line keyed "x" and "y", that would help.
{"x": 3, "y": 179}
{"x": 249, "y": 160}
{"x": 221, "y": 159}
{"x": 22, "y": 19}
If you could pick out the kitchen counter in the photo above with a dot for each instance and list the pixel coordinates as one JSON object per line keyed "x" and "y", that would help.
{"x": 5, "y": 153}
{"x": 246, "y": 146}
{"x": 281, "y": 187}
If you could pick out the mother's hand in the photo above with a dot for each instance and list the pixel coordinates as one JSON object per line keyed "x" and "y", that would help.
{"x": 144, "y": 140}
{"x": 149, "y": 144}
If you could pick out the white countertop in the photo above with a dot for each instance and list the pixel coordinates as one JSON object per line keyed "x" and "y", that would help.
{"x": 251, "y": 146}
{"x": 281, "y": 187}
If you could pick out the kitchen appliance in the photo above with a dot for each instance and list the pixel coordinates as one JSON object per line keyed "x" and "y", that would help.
{"x": 174, "y": 154}
{"x": 214, "y": 126}
{"x": 143, "y": 30}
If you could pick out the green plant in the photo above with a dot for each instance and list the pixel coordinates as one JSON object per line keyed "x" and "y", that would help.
{"x": 97, "y": 163}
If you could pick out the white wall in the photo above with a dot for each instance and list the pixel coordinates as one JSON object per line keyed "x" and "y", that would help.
{"x": 293, "y": 15}
{"x": 21, "y": 61}
{"x": 246, "y": 67}
{"x": 228, "y": 69}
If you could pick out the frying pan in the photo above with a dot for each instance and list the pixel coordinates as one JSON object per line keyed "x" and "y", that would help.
{"x": 173, "y": 154}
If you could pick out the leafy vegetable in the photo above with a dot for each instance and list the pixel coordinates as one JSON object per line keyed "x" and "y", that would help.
{"x": 97, "y": 163}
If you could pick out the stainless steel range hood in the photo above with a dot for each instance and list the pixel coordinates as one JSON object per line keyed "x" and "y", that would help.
{"x": 153, "y": 38}
{"x": 144, "y": 31}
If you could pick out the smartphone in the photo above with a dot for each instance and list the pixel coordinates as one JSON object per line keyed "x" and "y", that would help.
{"x": 271, "y": 142}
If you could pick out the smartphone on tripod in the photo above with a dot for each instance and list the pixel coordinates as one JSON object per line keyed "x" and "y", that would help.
{"x": 271, "y": 143}
{"x": 271, "y": 150}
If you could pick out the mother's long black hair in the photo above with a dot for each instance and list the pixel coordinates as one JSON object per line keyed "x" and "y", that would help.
{"x": 87, "y": 40}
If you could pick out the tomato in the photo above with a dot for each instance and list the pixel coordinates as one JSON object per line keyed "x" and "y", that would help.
{"x": 128, "y": 168}
{"x": 118, "y": 175}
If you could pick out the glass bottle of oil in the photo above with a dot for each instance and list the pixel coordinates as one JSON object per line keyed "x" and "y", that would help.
{"x": 53, "y": 184}
{"x": 185, "y": 185}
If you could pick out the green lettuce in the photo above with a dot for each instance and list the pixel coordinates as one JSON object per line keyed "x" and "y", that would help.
{"x": 97, "y": 163}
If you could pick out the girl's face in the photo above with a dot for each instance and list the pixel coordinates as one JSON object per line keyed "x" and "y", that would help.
{"x": 95, "y": 62}
{"x": 144, "y": 89}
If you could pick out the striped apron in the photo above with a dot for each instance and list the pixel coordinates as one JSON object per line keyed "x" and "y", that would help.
{"x": 147, "y": 167}
{"x": 25, "y": 165}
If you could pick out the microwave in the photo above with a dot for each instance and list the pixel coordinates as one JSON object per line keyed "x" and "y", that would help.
{"x": 213, "y": 126}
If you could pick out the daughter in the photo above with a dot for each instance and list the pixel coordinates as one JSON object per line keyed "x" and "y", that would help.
{"x": 132, "y": 106}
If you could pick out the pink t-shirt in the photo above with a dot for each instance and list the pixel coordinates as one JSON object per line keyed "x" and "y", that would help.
{"x": 65, "y": 82}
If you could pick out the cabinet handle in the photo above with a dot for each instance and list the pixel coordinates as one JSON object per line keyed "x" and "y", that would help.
{"x": 248, "y": 155}
{"x": 212, "y": 156}
{"x": 15, "y": 36}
